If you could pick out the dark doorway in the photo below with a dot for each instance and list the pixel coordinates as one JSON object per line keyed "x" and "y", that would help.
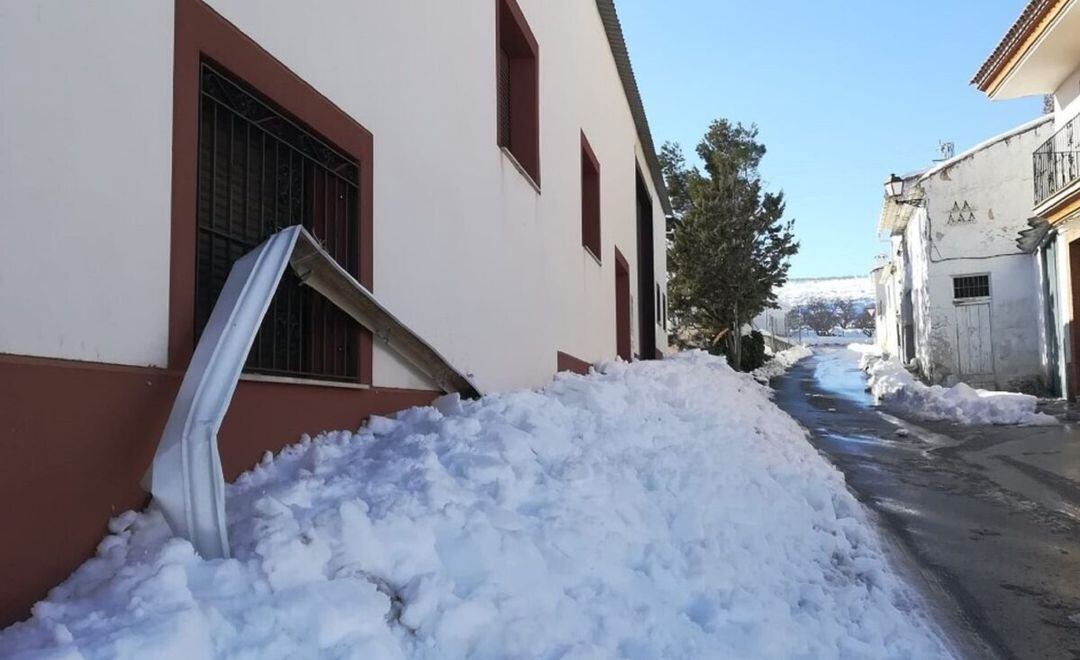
{"x": 622, "y": 307}
{"x": 1074, "y": 336}
{"x": 646, "y": 292}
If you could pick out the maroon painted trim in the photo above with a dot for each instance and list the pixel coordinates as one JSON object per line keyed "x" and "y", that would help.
{"x": 202, "y": 33}
{"x": 567, "y": 362}
{"x": 79, "y": 436}
{"x": 590, "y": 199}
{"x": 513, "y": 35}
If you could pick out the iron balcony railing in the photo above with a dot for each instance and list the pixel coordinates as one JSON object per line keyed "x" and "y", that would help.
{"x": 1057, "y": 161}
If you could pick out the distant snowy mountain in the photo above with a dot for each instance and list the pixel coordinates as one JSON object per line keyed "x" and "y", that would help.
{"x": 800, "y": 291}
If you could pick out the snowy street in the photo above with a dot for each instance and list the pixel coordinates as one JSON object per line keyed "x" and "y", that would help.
{"x": 990, "y": 514}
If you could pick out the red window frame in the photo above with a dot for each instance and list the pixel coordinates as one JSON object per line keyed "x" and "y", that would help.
{"x": 517, "y": 57}
{"x": 590, "y": 199}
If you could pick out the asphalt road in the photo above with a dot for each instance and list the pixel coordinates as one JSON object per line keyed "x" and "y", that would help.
{"x": 990, "y": 516}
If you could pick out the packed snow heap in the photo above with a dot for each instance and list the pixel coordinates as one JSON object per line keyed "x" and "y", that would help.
{"x": 779, "y": 363}
{"x": 893, "y": 385}
{"x": 664, "y": 509}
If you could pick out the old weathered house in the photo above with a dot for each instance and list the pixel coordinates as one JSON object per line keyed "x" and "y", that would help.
{"x": 960, "y": 292}
{"x": 1040, "y": 55}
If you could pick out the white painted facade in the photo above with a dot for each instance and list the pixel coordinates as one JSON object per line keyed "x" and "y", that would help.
{"x": 1054, "y": 266}
{"x": 969, "y": 213}
{"x": 467, "y": 251}
{"x": 886, "y": 322}
{"x": 1040, "y": 55}
{"x": 85, "y": 180}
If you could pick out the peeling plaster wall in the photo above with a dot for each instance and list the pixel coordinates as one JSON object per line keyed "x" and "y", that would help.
{"x": 974, "y": 209}
{"x": 1051, "y": 312}
{"x": 1068, "y": 233}
{"x": 890, "y": 289}
{"x": 918, "y": 258}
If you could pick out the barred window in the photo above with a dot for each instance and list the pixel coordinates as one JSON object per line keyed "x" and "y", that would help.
{"x": 502, "y": 89}
{"x": 971, "y": 286}
{"x": 258, "y": 172}
{"x": 517, "y": 85}
{"x": 590, "y": 199}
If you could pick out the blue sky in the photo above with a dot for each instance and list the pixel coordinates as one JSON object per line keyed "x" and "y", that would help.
{"x": 843, "y": 91}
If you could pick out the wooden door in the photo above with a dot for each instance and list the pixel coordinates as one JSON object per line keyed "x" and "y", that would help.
{"x": 973, "y": 333}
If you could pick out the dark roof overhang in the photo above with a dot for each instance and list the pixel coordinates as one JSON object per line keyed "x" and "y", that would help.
{"x": 614, "y": 32}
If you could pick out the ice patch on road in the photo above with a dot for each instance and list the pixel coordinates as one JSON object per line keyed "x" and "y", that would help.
{"x": 894, "y": 386}
{"x": 664, "y": 509}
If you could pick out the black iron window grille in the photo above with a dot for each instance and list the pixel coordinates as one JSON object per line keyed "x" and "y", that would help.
{"x": 259, "y": 172}
{"x": 502, "y": 85}
{"x": 1056, "y": 162}
{"x": 971, "y": 286}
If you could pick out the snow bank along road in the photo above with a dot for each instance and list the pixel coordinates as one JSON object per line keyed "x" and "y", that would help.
{"x": 987, "y": 511}
{"x": 658, "y": 510}
{"x": 894, "y": 385}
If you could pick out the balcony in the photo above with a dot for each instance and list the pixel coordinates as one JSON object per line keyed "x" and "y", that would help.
{"x": 1057, "y": 161}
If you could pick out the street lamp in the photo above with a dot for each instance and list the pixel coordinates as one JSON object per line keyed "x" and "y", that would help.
{"x": 894, "y": 186}
{"x": 894, "y": 189}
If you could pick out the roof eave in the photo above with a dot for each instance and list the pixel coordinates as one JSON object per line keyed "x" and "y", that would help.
{"x": 998, "y": 65}
{"x": 610, "y": 19}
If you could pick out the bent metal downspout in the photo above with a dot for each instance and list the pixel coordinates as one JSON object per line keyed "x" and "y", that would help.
{"x": 186, "y": 478}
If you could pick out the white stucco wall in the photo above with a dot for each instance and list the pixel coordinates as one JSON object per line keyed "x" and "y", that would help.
{"x": 1068, "y": 232}
{"x": 885, "y": 322}
{"x": 1067, "y": 99}
{"x": 995, "y": 183}
{"x": 917, "y": 268}
{"x": 466, "y": 251}
{"x": 85, "y": 167}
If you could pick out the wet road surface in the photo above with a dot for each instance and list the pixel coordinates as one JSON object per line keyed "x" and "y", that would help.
{"x": 990, "y": 515}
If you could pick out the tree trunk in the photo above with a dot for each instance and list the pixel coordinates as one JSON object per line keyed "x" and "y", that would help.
{"x": 736, "y": 338}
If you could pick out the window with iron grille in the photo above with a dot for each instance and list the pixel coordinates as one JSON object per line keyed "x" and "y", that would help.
{"x": 517, "y": 88}
{"x": 259, "y": 172}
{"x": 971, "y": 286}
{"x": 590, "y": 199}
{"x": 502, "y": 83}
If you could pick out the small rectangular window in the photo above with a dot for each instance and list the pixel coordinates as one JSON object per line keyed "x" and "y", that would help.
{"x": 967, "y": 287}
{"x": 517, "y": 88}
{"x": 590, "y": 199}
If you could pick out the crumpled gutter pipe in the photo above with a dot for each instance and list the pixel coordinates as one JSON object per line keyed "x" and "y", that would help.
{"x": 185, "y": 478}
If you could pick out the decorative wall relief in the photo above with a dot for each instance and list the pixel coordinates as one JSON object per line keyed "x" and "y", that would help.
{"x": 959, "y": 215}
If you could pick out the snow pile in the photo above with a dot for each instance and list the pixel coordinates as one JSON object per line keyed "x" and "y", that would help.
{"x": 893, "y": 385}
{"x": 780, "y": 363}
{"x": 664, "y": 509}
{"x": 866, "y": 351}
